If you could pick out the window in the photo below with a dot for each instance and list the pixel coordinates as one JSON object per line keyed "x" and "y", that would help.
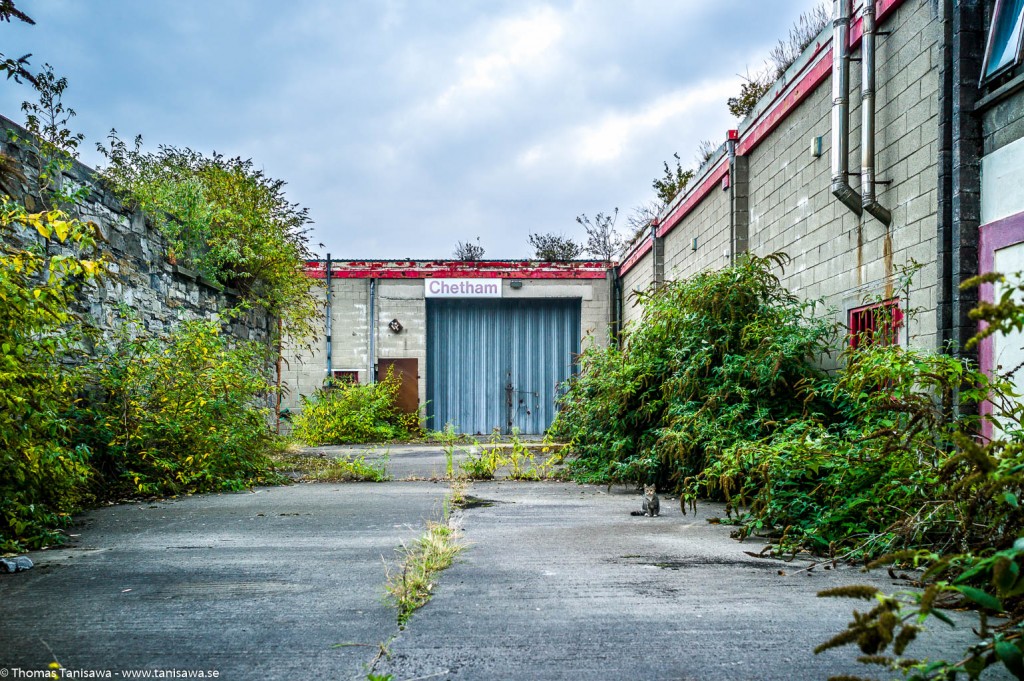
{"x": 342, "y": 376}
{"x": 1003, "y": 51}
{"x": 877, "y": 324}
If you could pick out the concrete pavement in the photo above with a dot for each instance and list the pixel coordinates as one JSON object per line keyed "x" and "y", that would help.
{"x": 561, "y": 582}
{"x": 558, "y": 582}
{"x": 257, "y": 585}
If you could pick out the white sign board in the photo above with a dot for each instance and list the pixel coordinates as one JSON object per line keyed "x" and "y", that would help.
{"x": 462, "y": 288}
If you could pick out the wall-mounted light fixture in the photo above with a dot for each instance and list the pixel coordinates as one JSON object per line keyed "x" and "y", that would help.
{"x": 516, "y": 284}
{"x": 816, "y": 146}
{"x": 693, "y": 244}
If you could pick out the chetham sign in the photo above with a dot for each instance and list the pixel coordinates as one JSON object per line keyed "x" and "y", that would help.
{"x": 462, "y": 288}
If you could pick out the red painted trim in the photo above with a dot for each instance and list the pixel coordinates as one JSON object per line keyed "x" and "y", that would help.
{"x": 496, "y": 269}
{"x": 993, "y": 236}
{"x": 711, "y": 181}
{"x": 883, "y": 8}
{"x": 817, "y": 73}
{"x": 635, "y": 257}
{"x": 817, "y": 70}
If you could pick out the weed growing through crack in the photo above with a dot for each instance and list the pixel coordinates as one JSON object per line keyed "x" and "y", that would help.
{"x": 482, "y": 462}
{"x": 411, "y": 586}
{"x": 340, "y": 469}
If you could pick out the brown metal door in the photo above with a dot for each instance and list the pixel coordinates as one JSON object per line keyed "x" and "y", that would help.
{"x": 407, "y": 373}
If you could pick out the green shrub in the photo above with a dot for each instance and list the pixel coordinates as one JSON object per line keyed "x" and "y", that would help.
{"x": 42, "y": 473}
{"x": 720, "y": 357}
{"x": 179, "y": 414}
{"x": 349, "y": 413}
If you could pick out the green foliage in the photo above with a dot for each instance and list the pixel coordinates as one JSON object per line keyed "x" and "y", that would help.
{"x": 554, "y": 247}
{"x": 724, "y": 356}
{"x": 180, "y": 414}
{"x": 752, "y": 89}
{"x": 786, "y": 51}
{"x": 15, "y": 68}
{"x": 42, "y": 472}
{"x": 351, "y": 469}
{"x": 52, "y": 146}
{"x": 225, "y": 218}
{"x": 672, "y": 182}
{"x": 411, "y": 586}
{"x": 350, "y": 413}
{"x": 972, "y": 512}
{"x": 603, "y": 239}
{"x": 467, "y": 250}
{"x": 482, "y": 463}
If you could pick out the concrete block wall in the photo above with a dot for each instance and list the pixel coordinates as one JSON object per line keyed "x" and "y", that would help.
{"x": 305, "y": 368}
{"x": 638, "y": 278}
{"x": 708, "y": 223}
{"x": 403, "y": 300}
{"x": 1003, "y": 123}
{"x": 837, "y": 256}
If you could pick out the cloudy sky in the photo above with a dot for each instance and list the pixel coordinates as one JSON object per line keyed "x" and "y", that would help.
{"x": 406, "y": 126}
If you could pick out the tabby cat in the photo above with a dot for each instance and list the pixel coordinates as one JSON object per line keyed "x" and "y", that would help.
{"x": 652, "y": 505}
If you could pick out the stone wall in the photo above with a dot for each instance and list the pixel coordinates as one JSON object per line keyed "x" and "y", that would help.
{"x": 140, "y": 278}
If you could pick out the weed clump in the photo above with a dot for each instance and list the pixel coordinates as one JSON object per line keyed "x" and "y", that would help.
{"x": 346, "y": 413}
{"x": 411, "y": 586}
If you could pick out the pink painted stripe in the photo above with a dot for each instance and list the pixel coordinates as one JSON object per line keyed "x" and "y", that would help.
{"x": 993, "y": 236}
{"x": 711, "y": 181}
{"x": 817, "y": 73}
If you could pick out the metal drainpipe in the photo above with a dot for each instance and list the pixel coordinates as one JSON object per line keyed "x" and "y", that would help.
{"x": 841, "y": 107}
{"x": 329, "y": 368}
{"x": 867, "y": 126}
{"x": 730, "y": 145}
{"x": 373, "y": 330}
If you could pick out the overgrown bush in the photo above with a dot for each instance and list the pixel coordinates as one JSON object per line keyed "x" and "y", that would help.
{"x": 178, "y": 414}
{"x": 977, "y": 558}
{"x": 42, "y": 473}
{"x": 349, "y": 412}
{"x": 721, "y": 357}
{"x": 225, "y": 218}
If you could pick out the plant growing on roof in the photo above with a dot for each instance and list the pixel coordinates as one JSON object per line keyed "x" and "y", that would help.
{"x": 554, "y": 247}
{"x": 467, "y": 250}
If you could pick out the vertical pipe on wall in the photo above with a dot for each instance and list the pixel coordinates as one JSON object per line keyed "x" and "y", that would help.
{"x": 731, "y": 147}
{"x": 327, "y": 278}
{"x": 373, "y": 330}
{"x": 841, "y": 188}
{"x": 867, "y": 111}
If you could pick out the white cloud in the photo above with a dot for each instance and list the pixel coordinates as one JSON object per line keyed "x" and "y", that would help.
{"x": 515, "y": 47}
{"x": 612, "y": 136}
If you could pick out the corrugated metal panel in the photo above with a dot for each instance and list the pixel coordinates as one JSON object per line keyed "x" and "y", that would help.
{"x": 497, "y": 363}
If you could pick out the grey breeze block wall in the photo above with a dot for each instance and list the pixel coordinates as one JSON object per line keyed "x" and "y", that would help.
{"x": 139, "y": 276}
{"x": 836, "y": 256}
{"x": 403, "y": 299}
{"x": 638, "y": 278}
{"x": 708, "y": 223}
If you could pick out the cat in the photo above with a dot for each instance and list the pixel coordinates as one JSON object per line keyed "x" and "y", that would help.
{"x": 652, "y": 505}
